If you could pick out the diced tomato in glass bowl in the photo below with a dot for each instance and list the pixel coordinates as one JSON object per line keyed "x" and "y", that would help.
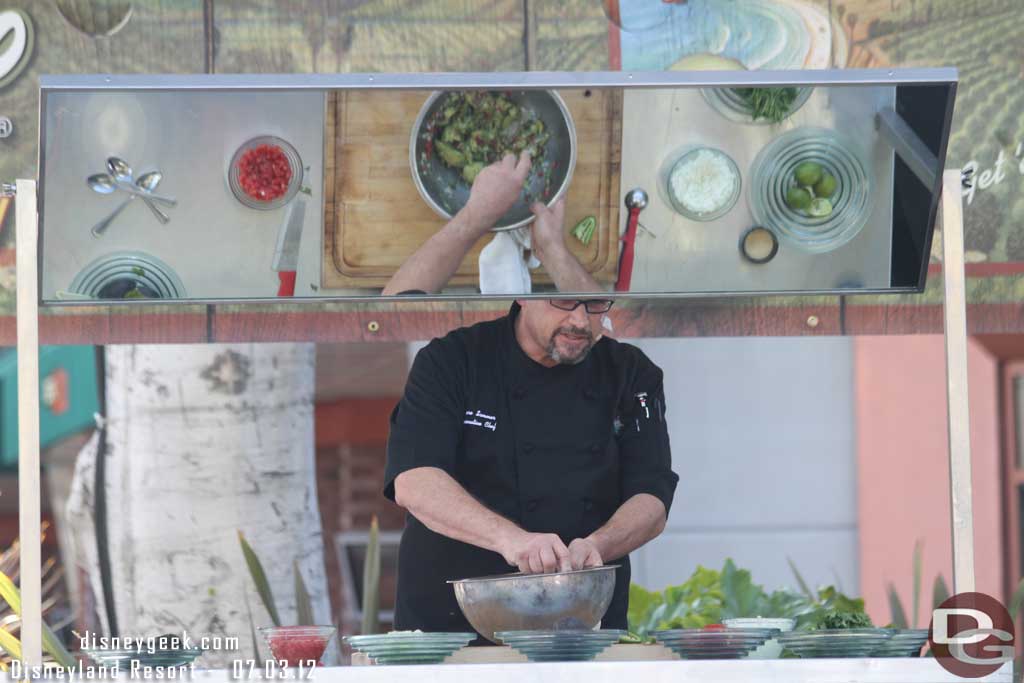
{"x": 264, "y": 172}
{"x": 298, "y": 645}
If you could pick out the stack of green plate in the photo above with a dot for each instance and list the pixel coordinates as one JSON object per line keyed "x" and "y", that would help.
{"x": 560, "y": 646}
{"x": 410, "y": 647}
{"x": 698, "y": 643}
{"x": 850, "y": 642}
{"x": 906, "y": 642}
{"x": 123, "y": 658}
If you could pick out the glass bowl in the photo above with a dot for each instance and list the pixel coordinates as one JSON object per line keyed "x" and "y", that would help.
{"x": 771, "y": 176}
{"x": 294, "y": 183}
{"x": 685, "y": 156}
{"x": 159, "y": 658}
{"x": 409, "y": 647}
{"x": 729, "y": 103}
{"x": 295, "y": 644}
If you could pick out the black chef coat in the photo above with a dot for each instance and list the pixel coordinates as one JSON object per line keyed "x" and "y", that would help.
{"x": 555, "y": 450}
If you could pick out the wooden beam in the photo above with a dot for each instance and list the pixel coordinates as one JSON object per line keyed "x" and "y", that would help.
{"x": 29, "y": 491}
{"x": 958, "y": 416}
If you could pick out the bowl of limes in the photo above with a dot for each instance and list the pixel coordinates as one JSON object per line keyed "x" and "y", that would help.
{"x": 811, "y": 185}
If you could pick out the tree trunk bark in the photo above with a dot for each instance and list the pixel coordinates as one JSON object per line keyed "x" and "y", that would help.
{"x": 204, "y": 441}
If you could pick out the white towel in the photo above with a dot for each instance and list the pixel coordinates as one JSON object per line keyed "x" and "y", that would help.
{"x": 504, "y": 268}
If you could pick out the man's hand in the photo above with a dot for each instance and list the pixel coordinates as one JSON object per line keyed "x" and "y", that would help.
{"x": 584, "y": 553}
{"x": 537, "y": 553}
{"x": 495, "y": 190}
{"x": 548, "y": 233}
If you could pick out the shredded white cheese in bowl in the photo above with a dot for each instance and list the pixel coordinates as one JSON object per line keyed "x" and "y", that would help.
{"x": 704, "y": 184}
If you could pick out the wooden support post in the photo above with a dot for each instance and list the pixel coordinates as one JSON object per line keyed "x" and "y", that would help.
{"x": 29, "y": 491}
{"x": 955, "y": 320}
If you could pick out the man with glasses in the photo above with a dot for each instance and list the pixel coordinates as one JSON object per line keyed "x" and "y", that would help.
{"x": 530, "y": 442}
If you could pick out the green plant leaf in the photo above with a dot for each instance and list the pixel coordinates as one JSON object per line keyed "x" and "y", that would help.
{"x": 303, "y": 603}
{"x": 259, "y": 577}
{"x": 800, "y": 580}
{"x": 741, "y": 597}
{"x": 10, "y": 644}
{"x": 899, "y": 617}
{"x": 252, "y": 631}
{"x": 51, "y": 644}
{"x": 916, "y": 596}
{"x": 1017, "y": 600}
{"x": 371, "y": 581}
{"x": 642, "y": 604}
{"x": 940, "y": 592}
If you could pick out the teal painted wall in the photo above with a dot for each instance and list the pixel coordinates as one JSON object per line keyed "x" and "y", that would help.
{"x": 68, "y": 396}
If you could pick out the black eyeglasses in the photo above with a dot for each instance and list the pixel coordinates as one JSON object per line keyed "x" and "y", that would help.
{"x": 592, "y": 305}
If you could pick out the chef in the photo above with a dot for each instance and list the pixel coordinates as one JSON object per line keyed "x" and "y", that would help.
{"x": 530, "y": 442}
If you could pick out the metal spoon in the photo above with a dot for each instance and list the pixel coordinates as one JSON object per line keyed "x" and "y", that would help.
{"x": 122, "y": 172}
{"x": 148, "y": 182}
{"x": 101, "y": 227}
{"x": 106, "y": 184}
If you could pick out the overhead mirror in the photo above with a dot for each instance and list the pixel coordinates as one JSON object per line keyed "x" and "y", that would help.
{"x": 209, "y": 188}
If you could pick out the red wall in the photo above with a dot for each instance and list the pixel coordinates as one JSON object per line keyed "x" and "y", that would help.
{"x": 903, "y": 470}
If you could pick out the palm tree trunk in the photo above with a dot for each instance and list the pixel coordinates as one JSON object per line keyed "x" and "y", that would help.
{"x": 204, "y": 441}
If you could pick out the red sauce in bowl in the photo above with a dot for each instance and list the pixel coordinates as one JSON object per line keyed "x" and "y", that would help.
{"x": 264, "y": 173}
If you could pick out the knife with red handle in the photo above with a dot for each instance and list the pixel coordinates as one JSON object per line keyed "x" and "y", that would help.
{"x": 286, "y": 253}
{"x": 636, "y": 200}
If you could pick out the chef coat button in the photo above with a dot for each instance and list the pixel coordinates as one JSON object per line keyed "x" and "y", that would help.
{"x": 595, "y": 448}
{"x": 518, "y": 394}
{"x": 531, "y": 505}
{"x": 588, "y": 505}
{"x": 528, "y": 448}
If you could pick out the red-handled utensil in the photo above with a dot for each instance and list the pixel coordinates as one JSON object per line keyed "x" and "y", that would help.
{"x": 286, "y": 253}
{"x": 636, "y": 200}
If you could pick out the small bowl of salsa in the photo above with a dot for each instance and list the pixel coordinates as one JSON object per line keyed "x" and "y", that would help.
{"x": 265, "y": 173}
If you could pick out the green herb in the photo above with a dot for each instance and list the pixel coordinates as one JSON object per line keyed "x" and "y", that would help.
{"x": 772, "y": 104}
{"x": 136, "y": 270}
{"x": 838, "y": 618}
{"x": 710, "y": 596}
{"x": 584, "y": 230}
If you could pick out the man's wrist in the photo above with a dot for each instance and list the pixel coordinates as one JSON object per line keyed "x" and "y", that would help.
{"x": 596, "y": 540}
{"x": 507, "y": 537}
{"x": 475, "y": 222}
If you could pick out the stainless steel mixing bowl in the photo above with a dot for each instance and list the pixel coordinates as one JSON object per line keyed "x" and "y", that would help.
{"x": 519, "y": 602}
{"x": 446, "y": 192}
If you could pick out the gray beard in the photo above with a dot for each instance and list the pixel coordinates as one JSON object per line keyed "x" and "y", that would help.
{"x": 562, "y": 360}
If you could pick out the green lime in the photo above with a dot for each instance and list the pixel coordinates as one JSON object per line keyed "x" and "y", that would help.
{"x": 798, "y": 198}
{"x": 808, "y": 173}
{"x": 826, "y": 187}
{"x": 820, "y": 207}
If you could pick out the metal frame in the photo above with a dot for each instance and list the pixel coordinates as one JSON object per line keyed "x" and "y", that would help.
{"x": 498, "y": 80}
{"x": 901, "y": 137}
{"x": 501, "y": 80}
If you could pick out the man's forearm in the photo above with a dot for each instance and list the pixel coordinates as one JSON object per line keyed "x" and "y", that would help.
{"x": 637, "y": 521}
{"x": 433, "y": 264}
{"x": 568, "y": 274}
{"x": 445, "y": 507}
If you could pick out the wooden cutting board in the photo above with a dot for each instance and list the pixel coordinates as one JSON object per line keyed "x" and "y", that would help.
{"x": 374, "y": 218}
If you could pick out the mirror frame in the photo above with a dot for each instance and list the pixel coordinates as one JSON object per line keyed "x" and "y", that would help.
{"x": 908, "y": 149}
